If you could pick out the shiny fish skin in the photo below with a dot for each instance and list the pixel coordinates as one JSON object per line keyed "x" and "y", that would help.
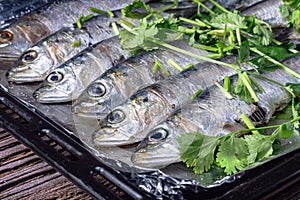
{"x": 37, "y": 61}
{"x": 13, "y": 9}
{"x": 212, "y": 114}
{"x": 121, "y": 81}
{"x": 70, "y": 79}
{"x": 268, "y": 11}
{"x": 129, "y": 122}
{"x": 57, "y": 48}
{"x": 29, "y": 29}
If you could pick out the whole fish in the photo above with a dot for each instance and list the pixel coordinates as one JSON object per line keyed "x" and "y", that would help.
{"x": 121, "y": 81}
{"x": 129, "y": 122}
{"x": 47, "y": 54}
{"x": 115, "y": 89}
{"x": 13, "y": 9}
{"x": 29, "y": 29}
{"x": 37, "y": 61}
{"x": 69, "y": 79}
{"x": 269, "y": 12}
{"x": 214, "y": 115}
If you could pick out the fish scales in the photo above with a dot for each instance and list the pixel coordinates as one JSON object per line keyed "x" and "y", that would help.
{"x": 29, "y": 29}
{"x": 68, "y": 80}
{"x": 129, "y": 122}
{"x": 47, "y": 54}
{"x": 211, "y": 113}
{"x": 37, "y": 61}
{"x": 269, "y": 12}
{"x": 123, "y": 80}
{"x": 13, "y": 9}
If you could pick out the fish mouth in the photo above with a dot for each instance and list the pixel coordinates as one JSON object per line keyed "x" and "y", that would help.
{"x": 90, "y": 109}
{"x": 9, "y": 56}
{"x": 156, "y": 157}
{"x": 111, "y": 137}
{"x": 25, "y": 75}
{"x": 50, "y": 95}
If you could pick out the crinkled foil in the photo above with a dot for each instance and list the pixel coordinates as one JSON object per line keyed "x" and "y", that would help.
{"x": 163, "y": 183}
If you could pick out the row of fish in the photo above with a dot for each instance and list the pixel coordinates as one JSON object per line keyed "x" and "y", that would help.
{"x": 132, "y": 103}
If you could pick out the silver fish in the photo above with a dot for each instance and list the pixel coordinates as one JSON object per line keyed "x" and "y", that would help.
{"x": 269, "y": 12}
{"x": 13, "y": 9}
{"x": 117, "y": 84}
{"x": 214, "y": 115}
{"x": 129, "y": 122}
{"x": 29, "y": 29}
{"x": 68, "y": 80}
{"x": 47, "y": 54}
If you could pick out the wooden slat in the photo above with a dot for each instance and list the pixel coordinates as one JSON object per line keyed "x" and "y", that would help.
{"x": 23, "y": 175}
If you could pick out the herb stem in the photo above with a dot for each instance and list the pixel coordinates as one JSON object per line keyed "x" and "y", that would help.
{"x": 234, "y": 67}
{"x": 247, "y": 82}
{"x": 219, "y": 6}
{"x": 204, "y": 6}
{"x": 248, "y": 123}
{"x": 166, "y": 8}
{"x": 290, "y": 71}
{"x": 227, "y": 94}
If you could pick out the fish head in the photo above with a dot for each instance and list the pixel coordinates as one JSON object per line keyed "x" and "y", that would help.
{"x": 127, "y": 123}
{"x": 12, "y": 43}
{"x": 58, "y": 86}
{"x": 97, "y": 99}
{"x": 158, "y": 149}
{"x": 33, "y": 65}
{"x": 18, "y": 37}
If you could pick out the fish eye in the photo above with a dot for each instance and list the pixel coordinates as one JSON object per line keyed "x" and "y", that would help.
{"x": 5, "y": 36}
{"x": 55, "y": 77}
{"x": 29, "y": 56}
{"x": 157, "y": 135}
{"x": 116, "y": 116}
{"x": 97, "y": 90}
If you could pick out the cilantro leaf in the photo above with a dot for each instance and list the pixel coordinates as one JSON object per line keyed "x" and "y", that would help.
{"x": 244, "y": 51}
{"x": 232, "y": 20}
{"x": 232, "y": 154}
{"x": 286, "y": 130}
{"x": 130, "y": 10}
{"x": 197, "y": 150}
{"x": 260, "y": 147}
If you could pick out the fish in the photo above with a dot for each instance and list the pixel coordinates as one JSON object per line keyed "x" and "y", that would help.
{"x": 29, "y": 29}
{"x": 117, "y": 84}
{"x": 66, "y": 81}
{"x": 50, "y": 52}
{"x": 268, "y": 11}
{"x": 115, "y": 89}
{"x": 13, "y": 9}
{"x": 129, "y": 122}
{"x": 212, "y": 114}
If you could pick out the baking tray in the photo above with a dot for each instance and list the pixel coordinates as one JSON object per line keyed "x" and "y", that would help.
{"x": 65, "y": 152}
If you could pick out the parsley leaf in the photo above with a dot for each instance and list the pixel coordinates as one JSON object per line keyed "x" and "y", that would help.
{"x": 197, "y": 150}
{"x": 232, "y": 154}
{"x": 260, "y": 147}
{"x": 232, "y": 20}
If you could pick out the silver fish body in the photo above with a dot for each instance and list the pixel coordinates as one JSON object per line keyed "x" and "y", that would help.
{"x": 214, "y": 115}
{"x": 47, "y": 54}
{"x": 29, "y": 29}
{"x": 129, "y": 122}
{"x": 13, "y": 9}
{"x": 68, "y": 80}
{"x": 269, "y": 12}
{"x": 121, "y": 81}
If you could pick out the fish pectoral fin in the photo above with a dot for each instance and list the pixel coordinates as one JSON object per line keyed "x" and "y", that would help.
{"x": 230, "y": 127}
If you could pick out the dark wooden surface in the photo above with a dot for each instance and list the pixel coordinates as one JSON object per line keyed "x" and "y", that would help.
{"x": 23, "y": 175}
